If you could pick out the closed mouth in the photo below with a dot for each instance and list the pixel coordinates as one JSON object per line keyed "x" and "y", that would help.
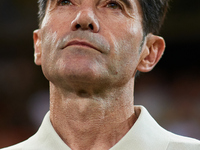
{"x": 80, "y": 43}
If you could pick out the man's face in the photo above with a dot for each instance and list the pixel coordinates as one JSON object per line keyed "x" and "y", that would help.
{"x": 90, "y": 41}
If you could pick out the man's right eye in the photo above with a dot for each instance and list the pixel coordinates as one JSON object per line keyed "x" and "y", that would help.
{"x": 64, "y": 2}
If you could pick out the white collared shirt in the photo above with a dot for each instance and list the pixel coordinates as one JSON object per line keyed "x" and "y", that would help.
{"x": 145, "y": 134}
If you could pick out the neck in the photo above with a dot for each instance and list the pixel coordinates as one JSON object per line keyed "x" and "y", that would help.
{"x": 92, "y": 121}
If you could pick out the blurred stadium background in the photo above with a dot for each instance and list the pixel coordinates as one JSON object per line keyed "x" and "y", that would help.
{"x": 171, "y": 92}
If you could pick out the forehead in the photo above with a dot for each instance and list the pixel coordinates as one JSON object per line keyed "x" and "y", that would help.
{"x": 129, "y": 3}
{"x": 131, "y": 7}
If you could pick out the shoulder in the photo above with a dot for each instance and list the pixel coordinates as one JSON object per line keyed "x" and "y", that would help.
{"x": 159, "y": 138}
{"x": 182, "y": 143}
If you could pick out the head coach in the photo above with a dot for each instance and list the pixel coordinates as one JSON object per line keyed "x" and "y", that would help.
{"x": 90, "y": 51}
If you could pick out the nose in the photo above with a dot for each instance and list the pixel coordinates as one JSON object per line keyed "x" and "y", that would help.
{"x": 85, "y": 20}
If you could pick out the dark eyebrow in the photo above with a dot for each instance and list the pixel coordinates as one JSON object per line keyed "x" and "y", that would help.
{"x": 127, "y": 3}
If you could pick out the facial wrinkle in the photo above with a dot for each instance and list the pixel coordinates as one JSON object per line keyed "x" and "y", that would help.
{"x": 96, "y": 39}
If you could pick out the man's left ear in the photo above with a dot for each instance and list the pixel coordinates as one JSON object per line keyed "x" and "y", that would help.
{"x": 152, "y": 52}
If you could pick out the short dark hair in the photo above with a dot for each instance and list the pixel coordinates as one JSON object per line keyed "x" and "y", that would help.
{"x": 42, "y": 4}
{"x": 154, "y": 12}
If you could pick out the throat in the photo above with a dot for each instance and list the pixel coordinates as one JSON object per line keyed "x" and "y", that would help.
{"x": 87, "y": 121}
{"x": 94, "y": 132}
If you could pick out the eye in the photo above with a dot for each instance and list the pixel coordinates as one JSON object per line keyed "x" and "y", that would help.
{"x": 64, "y": 2}
{"x": 113, "y": 5}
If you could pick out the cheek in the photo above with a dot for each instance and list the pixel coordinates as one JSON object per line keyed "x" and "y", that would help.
{"x": 128, "y": 56}
{"x": 49, "y": 42}
{"x": 130, "y": 40}
{"x": 125, "y": 50}
{"x": 58, "y": 20}
{"x": 127, "y": 42}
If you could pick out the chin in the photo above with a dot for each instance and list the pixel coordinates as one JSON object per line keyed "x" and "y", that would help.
{"x": 83, "y": 71}
{"x": 71, "y": 68}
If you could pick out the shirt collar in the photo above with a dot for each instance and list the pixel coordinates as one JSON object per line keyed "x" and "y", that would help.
{"x": 145, "y": 134}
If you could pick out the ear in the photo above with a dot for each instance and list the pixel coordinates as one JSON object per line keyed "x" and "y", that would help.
{"x": 152, "y": 52}
{"x": 37, "y": 47}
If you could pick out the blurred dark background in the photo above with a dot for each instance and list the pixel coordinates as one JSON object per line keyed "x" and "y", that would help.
{"x": 171, "y": 92}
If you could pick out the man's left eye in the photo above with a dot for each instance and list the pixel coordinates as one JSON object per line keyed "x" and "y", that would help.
{"x": 114, "y": 5}
{"x": 64, "y": 2}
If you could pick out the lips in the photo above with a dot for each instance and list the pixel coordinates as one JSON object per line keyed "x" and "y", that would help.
{"x": 81, "y": 43}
